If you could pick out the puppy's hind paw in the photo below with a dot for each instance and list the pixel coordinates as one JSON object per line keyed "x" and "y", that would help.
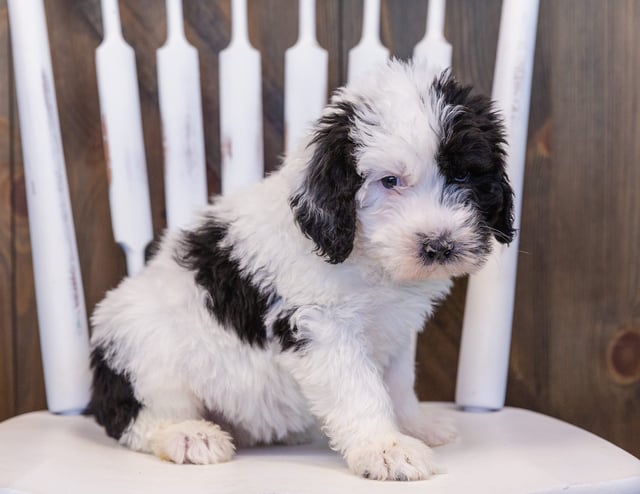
{"x": 192, "y": 441}
{"x": 392, "y": 457}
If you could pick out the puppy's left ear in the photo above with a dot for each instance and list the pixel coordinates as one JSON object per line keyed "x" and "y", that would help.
{"x": 324, "y": 206}
{"x": 478, "y": 133}
{"x": 498, "y": 203}
{"x": 503, "y": 223}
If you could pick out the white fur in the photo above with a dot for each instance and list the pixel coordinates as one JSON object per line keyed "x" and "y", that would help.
{"x": 356, "y": 375}
{"x": 192, "y": 441}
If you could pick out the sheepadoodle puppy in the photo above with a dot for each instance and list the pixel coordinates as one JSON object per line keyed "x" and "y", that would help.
{"x": 293, "y": 302}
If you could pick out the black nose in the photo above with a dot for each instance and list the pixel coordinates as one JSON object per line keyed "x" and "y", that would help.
{"x": 438, "y": 250}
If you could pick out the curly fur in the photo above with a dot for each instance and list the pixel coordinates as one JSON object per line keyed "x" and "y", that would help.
{"x": 293, "y": 302}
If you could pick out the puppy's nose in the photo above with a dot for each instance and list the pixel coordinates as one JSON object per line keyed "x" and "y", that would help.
{"x": 438, "y": 250}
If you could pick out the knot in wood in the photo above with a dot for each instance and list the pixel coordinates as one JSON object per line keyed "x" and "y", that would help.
{"x": 623, "y": 357}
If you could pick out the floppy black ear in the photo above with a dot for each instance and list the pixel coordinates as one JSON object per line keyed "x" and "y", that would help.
{"x": 474, "y": 140}
{"x": 325, "y": 207}
{"x": 503, "y": 223}
{"x": 488, "y": 121}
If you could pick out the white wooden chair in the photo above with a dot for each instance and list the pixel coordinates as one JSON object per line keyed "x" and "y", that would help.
{"x": 502, "y": 450}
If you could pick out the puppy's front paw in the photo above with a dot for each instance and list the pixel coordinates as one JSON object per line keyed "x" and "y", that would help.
{"x": 434, "y": 431}
{"x": 392, "y": 457}
{"x": 192, "y": 441}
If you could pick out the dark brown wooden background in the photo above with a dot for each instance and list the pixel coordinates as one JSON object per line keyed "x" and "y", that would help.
{"x": 576, "y": 341}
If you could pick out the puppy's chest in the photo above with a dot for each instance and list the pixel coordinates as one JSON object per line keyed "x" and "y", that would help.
{"x": 392, "y": 316}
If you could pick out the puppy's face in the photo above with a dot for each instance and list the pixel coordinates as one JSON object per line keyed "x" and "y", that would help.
{"x": 408, "y": 171}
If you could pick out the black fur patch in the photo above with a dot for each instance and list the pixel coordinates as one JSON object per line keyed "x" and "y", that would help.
{"x": 233, "y": 299}
{"x": 325, "y": 208}
{"x": 472, "y": 155}
{"x": 287, "y": 334}
{"x": 113, "y": 403}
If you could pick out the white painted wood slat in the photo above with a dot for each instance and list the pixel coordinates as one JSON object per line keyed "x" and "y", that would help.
{"x": 370, "y": 51}
{"x": 305, "y": 78}
{"x": 62, "y": 322}
{"x": 434, "y": 48}
{"x": 240, "y": 106}
{"x": 123, "y": 140}
{"x": 185, "y": 180}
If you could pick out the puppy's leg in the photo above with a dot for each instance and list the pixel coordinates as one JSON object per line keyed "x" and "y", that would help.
{"x": 191, "y": 441}
{"x": 175, "y": 431}
{"x": 346, "y": 392}
{"x": 399, "y": 378}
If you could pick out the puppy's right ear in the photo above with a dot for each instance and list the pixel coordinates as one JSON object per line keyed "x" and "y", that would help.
{"x": 324, "y": 206}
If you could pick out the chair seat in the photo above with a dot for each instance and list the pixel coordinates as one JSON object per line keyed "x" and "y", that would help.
{"x": 510, "y": 451}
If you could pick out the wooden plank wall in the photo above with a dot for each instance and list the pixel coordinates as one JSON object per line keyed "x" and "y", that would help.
{"x": 576, "y": 342}
{"x": 7, "y": 391}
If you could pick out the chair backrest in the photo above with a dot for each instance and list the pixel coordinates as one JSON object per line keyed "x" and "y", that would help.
{"x": 61, "y": 309}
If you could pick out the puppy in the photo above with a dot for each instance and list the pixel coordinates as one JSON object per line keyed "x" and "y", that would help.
{"x": 296, "y": 299}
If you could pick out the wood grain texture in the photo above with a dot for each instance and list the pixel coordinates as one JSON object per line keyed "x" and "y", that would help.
{"x": 577, "y": 310}
{"x": 350, "y": 32}
{"x": 579, "y": 285}
{"x": 7, "y": 391}
{"x": 402, "y": 28}
{"x": 207, "y": 26}
{"x": 272, "y": 43}
{"x": 329, "y": 37}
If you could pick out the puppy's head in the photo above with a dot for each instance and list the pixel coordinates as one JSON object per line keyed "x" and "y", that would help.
{"x": 409, "y": 171}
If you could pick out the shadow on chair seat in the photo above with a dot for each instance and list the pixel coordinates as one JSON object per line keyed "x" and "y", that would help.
{"x": 510, "y": 451}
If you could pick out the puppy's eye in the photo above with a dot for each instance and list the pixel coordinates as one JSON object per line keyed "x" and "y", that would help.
{"x": 461, "y": 177}
{"x": 390, "y": 182}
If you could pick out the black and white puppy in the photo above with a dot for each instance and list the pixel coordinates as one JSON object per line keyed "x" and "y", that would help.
{"x": 295, "y": 300}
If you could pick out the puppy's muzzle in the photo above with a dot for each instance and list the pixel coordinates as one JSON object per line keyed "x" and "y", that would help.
{"x": 439, "y": 250}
